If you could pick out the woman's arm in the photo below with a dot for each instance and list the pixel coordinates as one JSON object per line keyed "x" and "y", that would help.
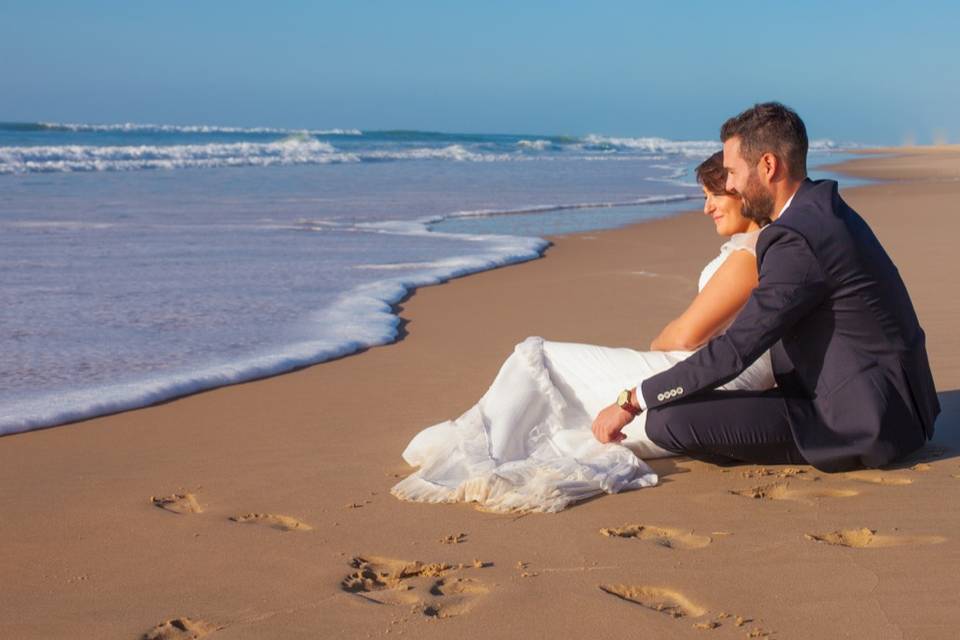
{"x": 713, "y": 308}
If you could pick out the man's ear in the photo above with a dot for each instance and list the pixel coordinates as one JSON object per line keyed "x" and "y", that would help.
{"x": 768, "y": 166}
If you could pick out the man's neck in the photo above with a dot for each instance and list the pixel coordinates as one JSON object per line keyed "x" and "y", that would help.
{"x": 782, "y": 195}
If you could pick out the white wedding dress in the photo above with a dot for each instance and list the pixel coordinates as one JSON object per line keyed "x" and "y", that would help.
{"x": 527, "y": 445}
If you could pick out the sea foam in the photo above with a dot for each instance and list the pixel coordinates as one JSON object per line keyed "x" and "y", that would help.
{"x": 362, "y": 318}
{"x": 195, "y": 128}
{"x": 69, "y": 158}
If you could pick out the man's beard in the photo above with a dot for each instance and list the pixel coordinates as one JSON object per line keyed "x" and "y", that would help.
{"x": 757, "y": 202}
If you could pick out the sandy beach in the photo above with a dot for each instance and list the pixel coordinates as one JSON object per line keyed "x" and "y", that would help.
{"x": 262, "y": 510}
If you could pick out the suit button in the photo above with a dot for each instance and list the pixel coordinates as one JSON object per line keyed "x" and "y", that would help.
{"x": 679, "y": 389}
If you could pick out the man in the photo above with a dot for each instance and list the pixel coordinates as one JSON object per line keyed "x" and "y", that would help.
{"x": 854, "y": 387}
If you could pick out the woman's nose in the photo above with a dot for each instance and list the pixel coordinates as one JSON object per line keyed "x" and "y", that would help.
{"x": 708, "y": 206}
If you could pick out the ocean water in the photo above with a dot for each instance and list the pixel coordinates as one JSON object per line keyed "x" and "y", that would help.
{"x": 143, "y": 262}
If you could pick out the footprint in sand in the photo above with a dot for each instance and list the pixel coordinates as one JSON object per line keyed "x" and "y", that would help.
{"x": 665, "y": 537}
{"x": 436, "y": 590}
{"x": 283, "y": 523}
{"x": 780, "y": 473}
{"x": 783, "y": 491}
{"x": 177, "y": 503}
{"x": 180, "y": 629}
{"x": 878, "y": 477}
{"x": 667, "y": 601}
{"x": 454, "y": 538}
{"x": 676, "y": 605}
{"x": 861, "y": 538}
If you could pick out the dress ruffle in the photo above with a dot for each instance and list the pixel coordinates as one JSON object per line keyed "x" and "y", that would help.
{"x": 546, "y": 462}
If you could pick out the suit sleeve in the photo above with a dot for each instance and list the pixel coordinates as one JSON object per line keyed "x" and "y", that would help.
{"x": 791, "y": 283}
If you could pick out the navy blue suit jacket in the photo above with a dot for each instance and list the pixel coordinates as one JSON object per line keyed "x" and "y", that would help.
{"x": 848, "y": 352}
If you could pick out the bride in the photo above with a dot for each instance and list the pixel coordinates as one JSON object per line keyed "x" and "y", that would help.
{"x": 527, "y": 445}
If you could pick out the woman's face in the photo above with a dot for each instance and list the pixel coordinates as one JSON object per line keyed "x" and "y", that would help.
{"x": 725, "y": 211}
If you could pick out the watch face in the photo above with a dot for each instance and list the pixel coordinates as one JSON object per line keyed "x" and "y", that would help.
{"x": 623, "y": 398}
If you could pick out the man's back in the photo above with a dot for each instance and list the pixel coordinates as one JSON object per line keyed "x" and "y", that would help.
{"x": 859, "y": 355}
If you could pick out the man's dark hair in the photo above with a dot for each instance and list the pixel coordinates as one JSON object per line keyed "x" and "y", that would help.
{"x": 770, "y": 127}
{"x": 712, "y": 175}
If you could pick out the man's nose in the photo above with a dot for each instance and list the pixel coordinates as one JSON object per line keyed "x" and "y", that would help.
{"x": 729, "y": 184}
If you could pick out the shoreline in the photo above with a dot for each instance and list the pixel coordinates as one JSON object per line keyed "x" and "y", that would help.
{"x": 90, "y": 549}
{"x": 384, "y": 301}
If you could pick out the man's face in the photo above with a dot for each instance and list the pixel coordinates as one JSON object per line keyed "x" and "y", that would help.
{"x": 736, "y": 165}
{"x": 744, "y": 180}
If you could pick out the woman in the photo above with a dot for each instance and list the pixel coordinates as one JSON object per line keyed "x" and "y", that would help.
{"x": 527, "y": 445}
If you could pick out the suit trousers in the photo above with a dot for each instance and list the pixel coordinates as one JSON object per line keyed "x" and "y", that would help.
{"x": 725, "y": 427}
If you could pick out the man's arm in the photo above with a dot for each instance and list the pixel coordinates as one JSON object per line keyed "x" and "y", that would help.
{"x": 791, "y": 284}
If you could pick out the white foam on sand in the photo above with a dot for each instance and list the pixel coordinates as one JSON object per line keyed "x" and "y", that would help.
{"x": 362, "y": 318}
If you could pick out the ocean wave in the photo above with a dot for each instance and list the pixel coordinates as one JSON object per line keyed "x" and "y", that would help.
{"x": 424, "y": 225}
{"x": 691, "y": 148}
{"x": 296, "y": 148}
{"x": 536, "y": 145}
{"x": 133, "y": 127}
{"x": 451, "y": 152}
{"x": 363, "y": 318}
{"x": 546, "y": 208}
{"x": 292, "y": 147}
{"x": 131, "y": 157}
{"x": 688, "y": 148}
{"x": 825, "y": 144}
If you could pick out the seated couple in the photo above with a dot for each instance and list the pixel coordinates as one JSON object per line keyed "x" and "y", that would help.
{"x": 801, "y": 347}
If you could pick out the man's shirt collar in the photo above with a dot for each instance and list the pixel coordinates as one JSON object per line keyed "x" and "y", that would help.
{"x": 787, "y": 205}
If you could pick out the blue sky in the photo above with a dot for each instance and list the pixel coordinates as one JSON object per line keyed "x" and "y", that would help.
{"x": 868, "y": 72}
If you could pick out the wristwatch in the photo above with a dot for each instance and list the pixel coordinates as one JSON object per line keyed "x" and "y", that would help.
{"x": 623, "y": 401}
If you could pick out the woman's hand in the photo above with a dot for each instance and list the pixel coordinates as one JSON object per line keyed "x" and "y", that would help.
{"x": 608, "y": 424}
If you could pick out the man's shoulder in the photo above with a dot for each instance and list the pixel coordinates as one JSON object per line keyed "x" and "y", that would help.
{"x": 778, "y": 237}
{"x": 809, "y": 216}
{"x": 813, "y": 197}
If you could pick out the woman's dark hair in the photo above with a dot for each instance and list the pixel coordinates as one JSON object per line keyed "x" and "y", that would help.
{"x": 712, "y": 175}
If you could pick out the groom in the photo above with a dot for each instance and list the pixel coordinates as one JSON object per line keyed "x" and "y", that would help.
{"x": 854, "y": 387}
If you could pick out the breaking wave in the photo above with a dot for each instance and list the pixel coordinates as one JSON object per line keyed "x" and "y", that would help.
{"x": 172, "y": 128}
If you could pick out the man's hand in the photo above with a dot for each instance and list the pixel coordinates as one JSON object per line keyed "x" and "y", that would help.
{"x": 609, "y": 422}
